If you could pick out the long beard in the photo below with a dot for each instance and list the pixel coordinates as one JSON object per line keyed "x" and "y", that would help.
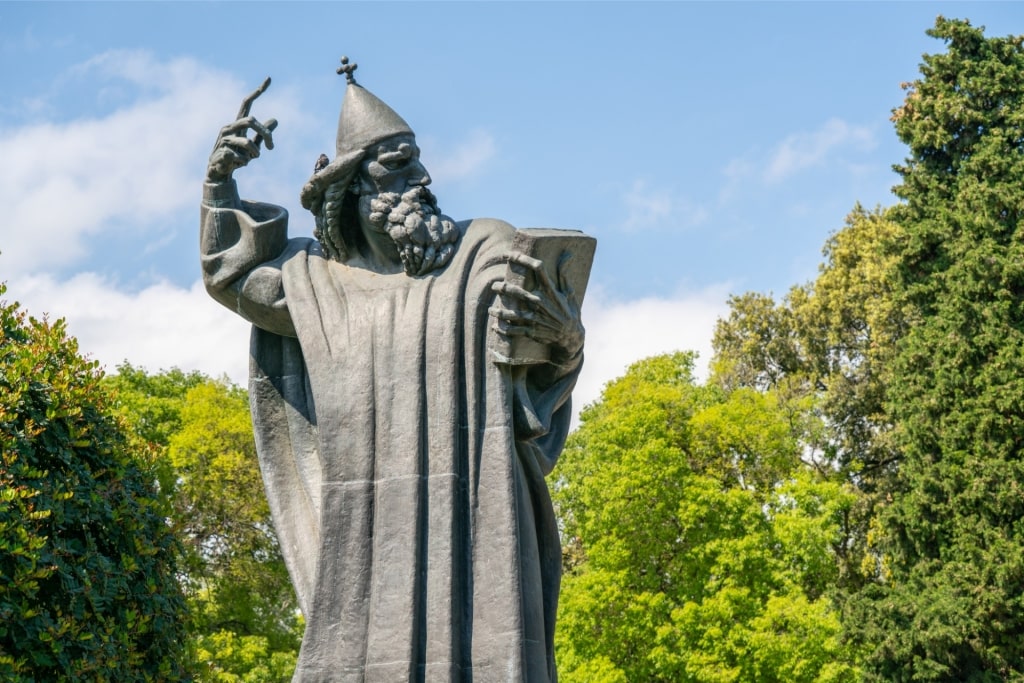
{"x": 425, "y": 238}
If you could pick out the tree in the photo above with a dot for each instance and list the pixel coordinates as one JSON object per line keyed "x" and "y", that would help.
{"x": 826, "y": 347}
{"x": 849, "y": 323}
{"x": 825, "y": 351}
{"x": 245, "y": 625}
{"x": 151, "y": 406}
{"x": 699, "y": 545}
{"x": 87, "y": 564}
{"x": 238, "y": 572}
{"x": 949, "y": 604}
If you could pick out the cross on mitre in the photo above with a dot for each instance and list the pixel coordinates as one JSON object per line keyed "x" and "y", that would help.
{"x": 347, "y": 69}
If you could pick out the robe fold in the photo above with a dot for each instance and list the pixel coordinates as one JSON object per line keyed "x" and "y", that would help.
{"x": 403, "y": 466}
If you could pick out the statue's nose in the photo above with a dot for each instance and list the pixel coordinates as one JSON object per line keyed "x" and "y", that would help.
{"x": 419, "y": 172}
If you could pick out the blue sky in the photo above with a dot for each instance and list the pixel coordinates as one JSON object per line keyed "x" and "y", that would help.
{"x": 710, "y": 147}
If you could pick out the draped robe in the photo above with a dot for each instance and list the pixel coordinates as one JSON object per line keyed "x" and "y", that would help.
{"x": 404, "y": 467}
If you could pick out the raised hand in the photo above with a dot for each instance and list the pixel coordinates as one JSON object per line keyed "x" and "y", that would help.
{"x": 233, "y": 148}
{"x": 548, "y": 314}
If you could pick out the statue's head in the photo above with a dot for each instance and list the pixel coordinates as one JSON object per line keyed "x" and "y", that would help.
{"x": 376, "y": 183}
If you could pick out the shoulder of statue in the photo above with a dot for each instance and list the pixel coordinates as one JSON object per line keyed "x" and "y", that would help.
{"x": 487, "y": 229}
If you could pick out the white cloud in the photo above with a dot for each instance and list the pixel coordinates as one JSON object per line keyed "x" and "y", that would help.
{"x": 160, "y": 327}
{"x": 163, "y": 326}
{"x": 463, "y": 160}
{"x": 651, "y": 208}
{"x": 805, "y": 150}
{"x": 62, "y": 184}
{"x": 621, "y": 332}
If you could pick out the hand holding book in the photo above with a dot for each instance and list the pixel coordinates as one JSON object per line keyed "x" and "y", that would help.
{"x": 537, "y": 310}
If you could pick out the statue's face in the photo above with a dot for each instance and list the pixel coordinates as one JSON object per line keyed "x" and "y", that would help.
{"x": 394, "y": 201}
{"x": 393, "y": 166}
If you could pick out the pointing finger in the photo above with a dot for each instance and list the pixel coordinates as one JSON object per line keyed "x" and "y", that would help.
{"x": 243, "y": 111}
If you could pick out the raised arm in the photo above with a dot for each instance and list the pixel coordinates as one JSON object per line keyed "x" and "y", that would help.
{"x": 242, "y": 244}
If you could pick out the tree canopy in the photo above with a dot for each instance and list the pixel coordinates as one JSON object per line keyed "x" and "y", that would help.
{"x": 88, "y": 585}
{"x": 698, "y": 542}
{"x": 245, "y": 623}
{"x": 949, "y": 604}
{"x": 855, "y": 456}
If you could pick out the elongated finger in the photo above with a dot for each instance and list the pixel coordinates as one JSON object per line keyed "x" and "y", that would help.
{"x": 524, "y": 318}
{"x": 512, "y": 330}
{"x": 243, "y": 111}
{"x": 517, "y": 292}
{"x": 537, "y": 266}
{"x": 541, "y": 306}
{"x": 525, "y": 260}
{"x": 510, "y": 314}
{"x": 244, "y": 124}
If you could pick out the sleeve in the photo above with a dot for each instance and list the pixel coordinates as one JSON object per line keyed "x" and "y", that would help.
{"x": 242, "y": 246}
{"x": 540, "y": 395}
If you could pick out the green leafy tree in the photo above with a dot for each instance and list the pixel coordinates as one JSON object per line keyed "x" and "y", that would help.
{"x": 950, "y": 601}
{"x": 826, "y": 347}
{"x": 825, "y": 353}
{"x": 151, "y": 405}
{"x": 227, "y": 657}
{"x": 87, "y": 563}
{"x": 239, "y": 577}
{"x": 759, "y": 345}
{"x": 698, "y": 543}
{"x": 849, "y": 324}
{"x": 245, "y": 625}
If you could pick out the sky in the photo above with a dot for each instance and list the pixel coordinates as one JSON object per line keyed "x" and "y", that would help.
{"x": 711, "y": 148}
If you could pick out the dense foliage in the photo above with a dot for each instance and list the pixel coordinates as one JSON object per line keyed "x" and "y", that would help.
{"x": 245, "y": 626}
{"x": 845, "y": 496}
{"x": 88, "y": 589}
{"x": 950, "y": 601}
{"x": 825, "y": 350}
{"x": 700, "y": 545}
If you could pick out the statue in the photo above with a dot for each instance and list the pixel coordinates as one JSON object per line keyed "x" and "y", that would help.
{"x": 402, "y": 433}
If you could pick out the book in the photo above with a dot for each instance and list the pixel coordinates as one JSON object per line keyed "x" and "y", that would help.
{"x": 547, "y": 245}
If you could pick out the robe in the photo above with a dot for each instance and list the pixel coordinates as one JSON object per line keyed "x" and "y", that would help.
{"x": 404, "y": 467}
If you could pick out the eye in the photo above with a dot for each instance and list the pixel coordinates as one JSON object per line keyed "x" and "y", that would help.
{"x": 394, "y": 159}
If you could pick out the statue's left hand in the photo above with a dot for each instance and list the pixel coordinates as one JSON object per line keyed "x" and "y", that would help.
{"x": 548, "y": 314}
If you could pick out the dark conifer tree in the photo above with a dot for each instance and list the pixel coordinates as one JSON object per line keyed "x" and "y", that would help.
{"x": 950, "y": 601}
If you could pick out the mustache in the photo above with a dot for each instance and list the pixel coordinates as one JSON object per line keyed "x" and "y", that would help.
{"x": 391, "y": 208}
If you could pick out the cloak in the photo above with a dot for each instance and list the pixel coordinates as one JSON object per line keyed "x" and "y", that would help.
{"x": 403, "y": 466}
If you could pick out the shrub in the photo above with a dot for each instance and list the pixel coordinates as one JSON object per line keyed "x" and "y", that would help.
{"x": 87, "y": 563}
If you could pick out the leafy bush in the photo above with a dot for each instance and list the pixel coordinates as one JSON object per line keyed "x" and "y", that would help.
{"x": 245, "y": 625}
{"x": 87, "y": 563}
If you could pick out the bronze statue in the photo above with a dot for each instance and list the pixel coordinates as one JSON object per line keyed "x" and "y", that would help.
{"x": 403, "y": 436}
